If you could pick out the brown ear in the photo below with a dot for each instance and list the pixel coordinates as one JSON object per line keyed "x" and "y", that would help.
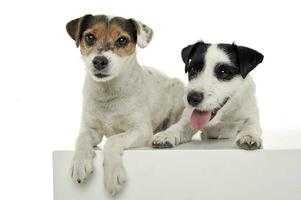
{"x": 76, "y": 27}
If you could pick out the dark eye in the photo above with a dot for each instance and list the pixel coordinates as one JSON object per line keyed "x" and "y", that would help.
{"x": 121, "y": 42}
{"x": 225, "y": 72}
{"x": 90, "y": 39}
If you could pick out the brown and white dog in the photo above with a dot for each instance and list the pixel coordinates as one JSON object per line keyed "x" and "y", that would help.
{"x": 122, "y": 100}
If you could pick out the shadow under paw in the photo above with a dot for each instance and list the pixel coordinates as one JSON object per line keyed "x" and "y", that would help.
{"x": 249, "y": 143}
{"x": 162, "y": 145}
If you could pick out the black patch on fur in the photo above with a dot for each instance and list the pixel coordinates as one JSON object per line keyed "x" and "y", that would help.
{"x": 193, "y": 57}
{"x": 225, "y": 72}
{"x": 127, "y": 25}
{"x": 243, "y": 60}
{"x": 102, "y": 18}
{"x": 246, "y": 59}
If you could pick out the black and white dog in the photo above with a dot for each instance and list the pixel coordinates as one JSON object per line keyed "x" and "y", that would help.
{"x": 220, "y": 98}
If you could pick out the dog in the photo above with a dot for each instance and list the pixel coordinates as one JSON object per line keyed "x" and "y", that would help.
{"x": 123, "y": 101}
{"x": 220, "y": 98}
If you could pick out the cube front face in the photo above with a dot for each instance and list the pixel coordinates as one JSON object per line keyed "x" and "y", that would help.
{"x": 189, "y": 174}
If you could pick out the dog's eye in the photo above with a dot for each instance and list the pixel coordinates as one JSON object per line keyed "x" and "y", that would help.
{"x": 121, "y": 42}
{"x": 225, "y": 72}
{"x": 90, "y": 39}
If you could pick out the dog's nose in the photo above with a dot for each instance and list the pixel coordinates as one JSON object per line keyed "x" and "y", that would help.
{"x": 195, "y": 98}
{"x": 100, "y": 62}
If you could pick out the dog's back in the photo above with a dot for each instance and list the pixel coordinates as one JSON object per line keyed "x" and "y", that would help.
{"x": 170, "y": 96}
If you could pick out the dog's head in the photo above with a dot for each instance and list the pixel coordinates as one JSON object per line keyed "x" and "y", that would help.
{"x": 215, "y": 72}
{"x": 108, "y": 44}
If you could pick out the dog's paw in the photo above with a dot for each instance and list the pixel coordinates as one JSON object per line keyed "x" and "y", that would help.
{"x": 114, "y": 178}
{"x": 248, "y": 142}
{"x": 81, "y": 168}
{"x": 164, "y": 140}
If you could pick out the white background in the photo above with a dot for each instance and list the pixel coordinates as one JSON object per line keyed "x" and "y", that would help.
{"x": 41, "y": 72}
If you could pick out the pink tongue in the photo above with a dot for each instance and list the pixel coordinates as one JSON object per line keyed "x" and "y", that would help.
{"x": 199, "y": 119}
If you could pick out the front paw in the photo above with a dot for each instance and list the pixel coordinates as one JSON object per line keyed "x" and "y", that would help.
{"x": 81, "y": 168}
{"x": 164, "y": 139}
{"x": 249, "y": 142}
{"x": 114, "y": 178}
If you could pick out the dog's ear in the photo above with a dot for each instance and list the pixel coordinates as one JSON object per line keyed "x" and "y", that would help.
{"x": 188, "y": 52}
{"x": 144, "y": 33}
{"x": 76, "y": 27}
{"x": 247, "y": 59}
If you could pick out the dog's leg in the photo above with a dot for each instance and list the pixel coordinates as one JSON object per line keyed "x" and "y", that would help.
{"x": 174, "y": 135}
{"x": 114, "y": 172}
{"x": 179, "y": 133}
{"x": 222, "y": 130}
{"x": 82, "y": 164}
{"x": 248, "y": 137}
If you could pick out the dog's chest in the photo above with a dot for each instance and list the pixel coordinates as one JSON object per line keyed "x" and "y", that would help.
{"x": 111, "y": 120}
{"x": 114, "y": 124}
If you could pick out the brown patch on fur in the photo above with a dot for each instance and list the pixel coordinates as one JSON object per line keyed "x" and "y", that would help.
{"x": 100, "y": 31}
{"x": 107, "y": 33}
{"x": 136, "y": 25}
{"x": 115, "y": 33}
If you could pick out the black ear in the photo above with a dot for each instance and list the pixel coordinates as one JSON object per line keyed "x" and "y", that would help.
{"x": 76, "y": 27}
{"x": 187, "y": 53}
{"x": 247, "y": 59}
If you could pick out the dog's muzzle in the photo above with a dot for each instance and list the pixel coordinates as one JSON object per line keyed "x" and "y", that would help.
{"x": 100, "y": 62}
{"x": 200, "y": 118}
{"x": 195, "y": 98}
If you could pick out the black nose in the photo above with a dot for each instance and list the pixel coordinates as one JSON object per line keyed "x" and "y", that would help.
{"x": 100, "y": 62}
{"x": 195, "y": 98}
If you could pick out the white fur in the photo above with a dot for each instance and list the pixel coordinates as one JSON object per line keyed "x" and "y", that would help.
{"x": 127, "y": 107}
{"x": 145, "y": 34}
{"x": 239, "y": 117}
